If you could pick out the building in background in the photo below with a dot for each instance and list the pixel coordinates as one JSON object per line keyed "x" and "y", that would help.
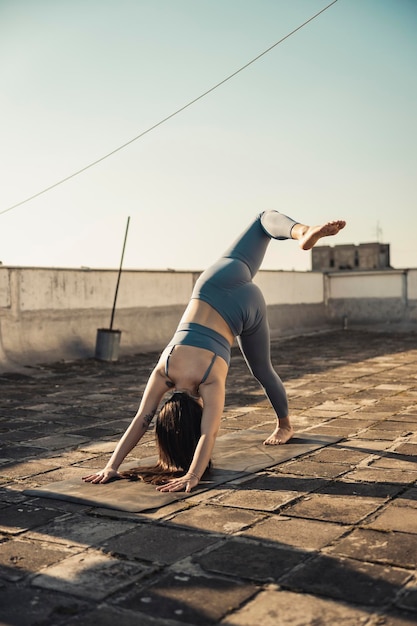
{"x": 365, "y": 256}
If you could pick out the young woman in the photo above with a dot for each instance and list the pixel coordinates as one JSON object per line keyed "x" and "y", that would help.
{"x": 225, "y": 304}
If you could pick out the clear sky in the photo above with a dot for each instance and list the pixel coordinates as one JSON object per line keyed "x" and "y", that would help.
{"x": 324, "y": 126}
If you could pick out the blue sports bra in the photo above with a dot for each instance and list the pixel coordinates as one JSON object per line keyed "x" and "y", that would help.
{"x": 198, "y": 336}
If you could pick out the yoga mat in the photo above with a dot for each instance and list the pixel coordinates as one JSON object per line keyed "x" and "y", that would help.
{"x": 236, "y": 455}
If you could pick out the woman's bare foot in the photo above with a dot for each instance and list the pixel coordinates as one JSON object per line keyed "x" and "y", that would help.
{"x": 281, "y": 435}
{"x": 312, "y": 234}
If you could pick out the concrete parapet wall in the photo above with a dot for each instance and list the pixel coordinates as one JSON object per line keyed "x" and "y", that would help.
{"x": 374, "y": 297}
{"x": 297, "y": 319}
{"x": 291, "y": 287}
{"x": 44, "y": 289}
{"x": 48, "y": 314}
{"x": 53, "y": 314}
{"x": 412, "y": 285}
{"x": 372, "y": 284}
{"x": 367, "y": 310}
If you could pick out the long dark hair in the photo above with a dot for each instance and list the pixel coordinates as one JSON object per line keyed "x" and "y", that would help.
{"x": 177, "y": 432}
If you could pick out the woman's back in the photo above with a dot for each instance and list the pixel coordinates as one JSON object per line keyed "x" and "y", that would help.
{"x": 202, "y": 313}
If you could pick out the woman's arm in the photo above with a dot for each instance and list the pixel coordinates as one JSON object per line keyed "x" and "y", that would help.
{"x": 154, "y": 391}
{"x": 213, "y": 395}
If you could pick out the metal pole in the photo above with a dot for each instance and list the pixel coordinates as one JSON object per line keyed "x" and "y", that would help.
{"x": 118, "y": 277}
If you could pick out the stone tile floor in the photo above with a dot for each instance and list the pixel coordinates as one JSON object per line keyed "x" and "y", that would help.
{"x": 327, "y": 538}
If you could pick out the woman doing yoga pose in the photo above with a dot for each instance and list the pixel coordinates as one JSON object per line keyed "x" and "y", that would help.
{"x": 225, "y": 304}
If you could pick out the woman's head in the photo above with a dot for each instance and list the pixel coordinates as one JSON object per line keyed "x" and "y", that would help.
{"x": 178, "y": 429}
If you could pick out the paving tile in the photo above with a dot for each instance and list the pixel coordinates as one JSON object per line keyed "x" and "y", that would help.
{"x": 58, "y": 505}
{"x": 381, "y": 475}
{"x": 31, "y": 606}
{"x": 377, "y": 409}
{"x": 80, "y": 530}
{"x": 344, "y": 487}
{"x": 328, "y": 430}
{"x": 381, "y": 433}
{"x": 213, "y": 518}
{"x": 96, "y": 461}
{"x": 368, "y": 446}
{"x": 43, "y": 407}
{"x": 412, "y": 409}
{"x": 408, "y": 449}
{"x": 408, "y": 599}
{"x": 190, "y": 599}
{"x": 160, "y": 543}
{"x": 257, "y": 500}
{"x": 280, "y": 478}
{"x": 408, "y": 498}
{"x": 399, "y": 463}
{"x": 109, "y": 616}
{"x": 16, "y": 452}
{"x": 340, "y": 455}
{"x": 18, "y": 435}
{"x": 29, "y": 468}
{"x": 393, "y": 387}
{"x": 297, "y": 532}
{"x": 399, "y": 427}
{"x": 351, "y": 423}
{"x": 71, "y": 457}
{"x": 393, "y": 548}
{"x": 164, "y": 513}
{"x": 90, "y": 575}
{"x": 400, "y": 518}
{"x": 19, "y": 558}
{"x": 405, "y": 417}
{"x": 19, "y": 518}
{"x": 366, "y": 584}
{"x": 4, "y": 460}
{"x": 245, "y": 421}
{"x": 121, "y": 423}
{"x": 334, "y": 508}
{"x": 62, "y": 473}
{"x": 338, "y": 406}
{"x": 267, "y": 492}
{"x": 275, "y": 607}
{"x": 95, "y": 432}
{"x": 58, "y": 441}
{"x": 391, "y": 405}
{"x": 313, "y": 468}
{"x": 9, "y": 495}
{"x": 13, "y": 416}
{"x": 98, "y": 447}
{"x": 249, "y": 560}
{"x": 303, "y": 422}
{"x": 371, "y": 410}
{"x": 394, "y": 618}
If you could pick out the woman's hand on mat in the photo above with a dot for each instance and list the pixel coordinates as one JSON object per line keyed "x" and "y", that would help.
{"x": 102, "y": 477}
{"x": 184, "y": 483}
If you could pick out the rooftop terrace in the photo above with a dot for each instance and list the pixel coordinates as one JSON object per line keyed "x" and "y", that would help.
{"x": 324, "y": 538}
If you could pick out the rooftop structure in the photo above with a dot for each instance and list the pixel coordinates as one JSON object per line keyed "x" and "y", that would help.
{"x": 365, "y": 256}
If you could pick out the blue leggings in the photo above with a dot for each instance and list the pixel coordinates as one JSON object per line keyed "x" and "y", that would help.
{"x": 227, "y": 286}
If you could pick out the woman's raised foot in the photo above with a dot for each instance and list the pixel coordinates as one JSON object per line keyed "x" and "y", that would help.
{"x": 313, "y": 233}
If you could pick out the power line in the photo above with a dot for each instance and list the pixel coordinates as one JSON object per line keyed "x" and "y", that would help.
{"x": 165, "y": 119}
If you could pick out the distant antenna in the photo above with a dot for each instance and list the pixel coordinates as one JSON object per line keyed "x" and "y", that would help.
{"x": 378, "y": 232}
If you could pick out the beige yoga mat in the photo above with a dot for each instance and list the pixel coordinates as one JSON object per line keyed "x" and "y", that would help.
{"x": 236, "y": 455}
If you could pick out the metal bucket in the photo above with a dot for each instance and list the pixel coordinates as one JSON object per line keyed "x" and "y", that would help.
{"x": 107, "y": 344}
